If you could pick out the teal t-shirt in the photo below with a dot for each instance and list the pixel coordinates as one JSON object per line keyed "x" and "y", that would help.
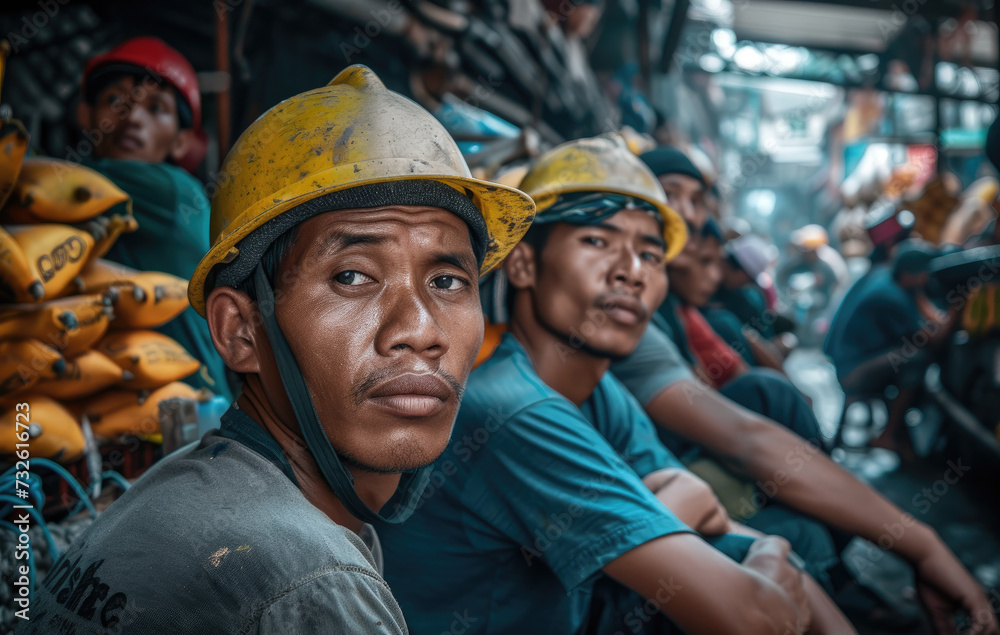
{"x": 173, "y": 214}
{"x": 749, "y": 306}
{"x": 532, "y": 498}
{"x": 876, "y": 316}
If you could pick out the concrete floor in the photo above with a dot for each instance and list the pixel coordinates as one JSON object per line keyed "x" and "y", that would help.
{"x": 966, "y": 513}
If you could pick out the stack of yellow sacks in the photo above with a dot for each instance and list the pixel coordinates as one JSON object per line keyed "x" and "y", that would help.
{"x": 75, "y": 338}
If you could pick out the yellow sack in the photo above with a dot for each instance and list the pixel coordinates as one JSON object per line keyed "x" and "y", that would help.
{"x": 85, "y": 375}
{"x": 57, "y": 253}
{"x": 153, "y": 358}
{"x": 56, "y": 191}
{"x": 99, "y": 275}
{"x": 24, "y": 362}
{"x": 19, "y": 280}
{"x": 108, "y": 229}
{"x": 54, "y": 432}
{"x": 141, "y": 299}
{"x": 982, "y": 311}
{"x": 139, "y": 416}
{"x": 69, "y": 325}
{"x": 13, "y": 146}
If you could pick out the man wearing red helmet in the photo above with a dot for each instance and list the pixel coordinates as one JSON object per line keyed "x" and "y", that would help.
{"x": 141, "y": 114}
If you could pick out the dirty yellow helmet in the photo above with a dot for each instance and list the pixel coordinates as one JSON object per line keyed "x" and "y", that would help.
{"x": 601, "y": 164}
{"x": 355, "y": 139}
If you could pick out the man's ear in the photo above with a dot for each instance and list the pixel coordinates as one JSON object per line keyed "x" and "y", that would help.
{"x": 83, "y": 114}
{"x": 234, "y": 324}
{"x": 182, "y": 143}
{"x": 521, "y": 266}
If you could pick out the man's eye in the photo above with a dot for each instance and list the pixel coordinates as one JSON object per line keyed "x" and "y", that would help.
{"x": 651, "y": 256}
{"x": 449, "y": 283}
{"x": 351, "y": 278}
{"x": 594, "y": 240}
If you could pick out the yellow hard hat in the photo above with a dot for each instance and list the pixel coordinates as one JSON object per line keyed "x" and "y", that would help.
{"x": 352, "y": 133}
{"x": 986, "y": 189}
{"x": 810, "y": 237}
{"x": 602, "y": 164}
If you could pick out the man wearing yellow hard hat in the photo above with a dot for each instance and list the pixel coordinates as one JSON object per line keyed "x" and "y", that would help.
{"x": 554, "y": 475}
{"x": 342, "y": 284}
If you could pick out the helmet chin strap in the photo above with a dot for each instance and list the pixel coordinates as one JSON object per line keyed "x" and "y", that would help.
{"x": 411, "y": 484}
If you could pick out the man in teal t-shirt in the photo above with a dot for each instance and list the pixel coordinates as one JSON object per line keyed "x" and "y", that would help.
{"x": 141, "y": 113}
{"x": 554, "y": 476}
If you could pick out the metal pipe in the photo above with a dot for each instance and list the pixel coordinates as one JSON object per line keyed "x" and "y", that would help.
{"x": 222, "y": 65}
{"x": 675, "y": 30}
{"x": 958, "y": 413}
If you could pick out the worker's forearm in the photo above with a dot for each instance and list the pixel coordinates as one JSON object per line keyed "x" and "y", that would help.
{"x": 798, "y": 474}
{"x": 701, "y": 590}
{"x": 826, "y": 617}
{"x": 788, "y": 468}
{"x": 690, "y": 499}
{"x": 766, "y": 354}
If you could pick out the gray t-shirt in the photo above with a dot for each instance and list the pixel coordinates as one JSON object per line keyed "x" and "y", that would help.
{"x": 655, "y": 364}
{"x": 216, "y": 538}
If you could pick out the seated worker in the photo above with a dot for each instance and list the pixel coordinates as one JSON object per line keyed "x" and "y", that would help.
{"x": 745, "y": 258}
{"x": 682, "y": 182}
{"x": 742, "y": 337}
{"x": 141, "y": 111}
{"x": 345, "y": 293}
{"x": 762, "y": 432}
{"x": 554, "y": 475}
{"x": 759, "y": 426}
{"x": 695, "y": 276}
{"x": 886, "y": 332}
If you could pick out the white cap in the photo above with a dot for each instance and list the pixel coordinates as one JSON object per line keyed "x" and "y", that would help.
{"x": 752, "y": 253}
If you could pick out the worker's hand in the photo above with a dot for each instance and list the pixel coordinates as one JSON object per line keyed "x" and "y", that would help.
{"x": 769, "y": 557}
{"x": 690, "y": 499}
{"x": 945, "y": 587}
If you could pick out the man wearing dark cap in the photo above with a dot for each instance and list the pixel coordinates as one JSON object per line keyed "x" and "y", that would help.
{"x": 738, "y": 310}
{"x": 886, "y": 332}
{"x": 682, "y": 182}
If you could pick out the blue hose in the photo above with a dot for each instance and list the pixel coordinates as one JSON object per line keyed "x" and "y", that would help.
{"x": 36, "y": 498}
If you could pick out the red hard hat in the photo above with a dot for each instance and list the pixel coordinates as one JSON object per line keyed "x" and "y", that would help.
{"x": 159, "y": 59}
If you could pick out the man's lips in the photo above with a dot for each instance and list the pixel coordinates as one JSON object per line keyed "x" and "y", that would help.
{"x": 412, "y": 395}
{"x": 624, "y": 309}
{"x": 129, "y": 142}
